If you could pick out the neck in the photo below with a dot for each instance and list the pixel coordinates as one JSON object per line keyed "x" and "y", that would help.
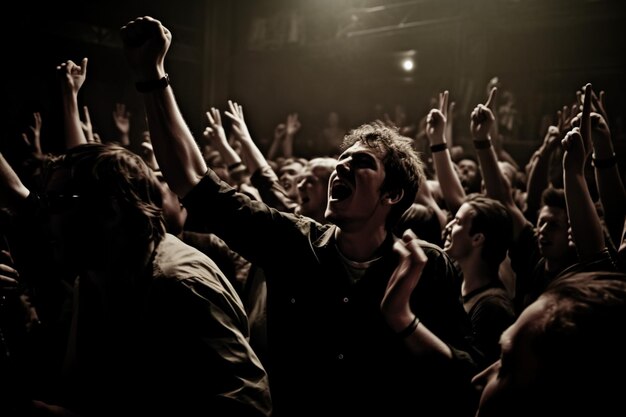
{"x": 476, "y": 274}
{"x": 360, "y": 246}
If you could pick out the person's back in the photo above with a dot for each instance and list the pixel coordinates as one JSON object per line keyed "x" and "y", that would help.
{"x": 153, "y": 315}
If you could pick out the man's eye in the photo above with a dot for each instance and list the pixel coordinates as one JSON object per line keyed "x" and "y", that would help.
{"x": 363, "y": 161}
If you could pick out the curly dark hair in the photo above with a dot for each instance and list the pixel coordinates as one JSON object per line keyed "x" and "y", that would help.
{"x": 404, "y": 170}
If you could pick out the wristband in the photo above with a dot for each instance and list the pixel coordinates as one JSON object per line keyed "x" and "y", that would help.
{"x": 409, "y": 329}
{"x": 149, "y": 86}
{"x": 482, "y": 144}
{"x": 235, "y": 166}
{"x": 439, "y": 147}
{"x": 604, "y": 163}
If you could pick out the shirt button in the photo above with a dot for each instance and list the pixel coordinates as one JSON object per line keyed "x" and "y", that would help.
{"x": 346, "y": 299}
{"x": 293, "y": 301}
{"x": 340, "y": 356}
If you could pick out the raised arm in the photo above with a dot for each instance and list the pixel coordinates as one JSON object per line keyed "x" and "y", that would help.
{"x": 146, "y": 42}
{"x": 72, "y": 77}
{"x": 217, "y": 135}
{"x": 292, "y": 127}
{"x": 451, "y": 187}
{"x": 608, "y": 179}
{"x": 583, "y": 217}
{"x": 12, "y": 190}
{"x": 121, "y": 119}
{"x": 34, "y": 144}
{"x": 279, "y": 136}
{"x": 496, "y": 185}
{"x": 540, "y": 166}
{"x": 253, "y": 156}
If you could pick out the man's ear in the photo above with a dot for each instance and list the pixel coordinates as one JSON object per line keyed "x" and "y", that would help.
{"x": 478, "y": 239}
{"x": 392, "y": 197}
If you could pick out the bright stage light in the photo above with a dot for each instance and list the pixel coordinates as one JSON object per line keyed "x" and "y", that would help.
{"x": 408, "y": 64}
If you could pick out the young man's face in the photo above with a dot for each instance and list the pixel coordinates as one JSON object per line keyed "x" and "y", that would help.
{"x": 552, "y": 225}
{"x": 354, "y": 193}
{"x": 459, "y": 241}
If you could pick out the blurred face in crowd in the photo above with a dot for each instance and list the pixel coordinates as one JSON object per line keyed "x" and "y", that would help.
{"x": 552, "y": 227}
{"x": 287, "y": 175}
{"x": 313, "y": 190}
{"x": 469, "y": 175}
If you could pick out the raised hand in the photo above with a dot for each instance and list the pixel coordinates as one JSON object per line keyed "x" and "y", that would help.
{"x": 491, "y": 105}
{"x": 566, "y": 117}
{"x": 481, "y": 121}
{"x": 88, "y": 127}
{"x": 585, "y": 121}
{"x": 293, "y": 125}
{"x": 435, "y": 127}
{"x": 121, "y": 119}
{"x": 395, "y": 304}
{"x": 598, "y": 106}
{"x": 237, "y": 120}
{"x": 279, "y": 131}
{"x": 146, "y": 42}
{"x": 436, "y": 121}
{"x": 215, "y": 131}
{"x": 447, "y": 108}
{"x": 35, "y": 143}
{"x": 8, "y": 275}
{"x": 216, "y": 134}
{"x": 72, "y": 76}
{"x": 574, "y": 158}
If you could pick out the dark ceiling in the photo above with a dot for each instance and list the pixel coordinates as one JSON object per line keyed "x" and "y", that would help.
{"x": 314, "y": 56}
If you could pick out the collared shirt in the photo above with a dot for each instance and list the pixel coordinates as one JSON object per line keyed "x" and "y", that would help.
{"x": 330, "y": 347}
{"x": 173, "y": 342}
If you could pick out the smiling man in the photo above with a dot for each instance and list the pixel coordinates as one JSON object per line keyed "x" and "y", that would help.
{"x": 331, "y": 349}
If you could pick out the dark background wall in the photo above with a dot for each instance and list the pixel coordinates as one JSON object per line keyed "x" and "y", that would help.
{"x": 314, "y": 56}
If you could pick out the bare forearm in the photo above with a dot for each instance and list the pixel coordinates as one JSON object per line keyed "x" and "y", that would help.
{"x": 253, "y": 155}
{"x": 584, "y": 220}
{"x": 12, "y": 190}
{"x": 537, "y": 181}
{"x": 451, "y": 187}
{"x": 613, "y": 199}
{"x": 174, "y": 146}
{"x": 74, "y": 134}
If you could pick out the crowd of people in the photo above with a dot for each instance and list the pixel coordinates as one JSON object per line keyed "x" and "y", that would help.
{"x": 204, "y": 277}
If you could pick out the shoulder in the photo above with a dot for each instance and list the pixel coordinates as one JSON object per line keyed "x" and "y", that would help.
{"x": 175, "y": 262}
